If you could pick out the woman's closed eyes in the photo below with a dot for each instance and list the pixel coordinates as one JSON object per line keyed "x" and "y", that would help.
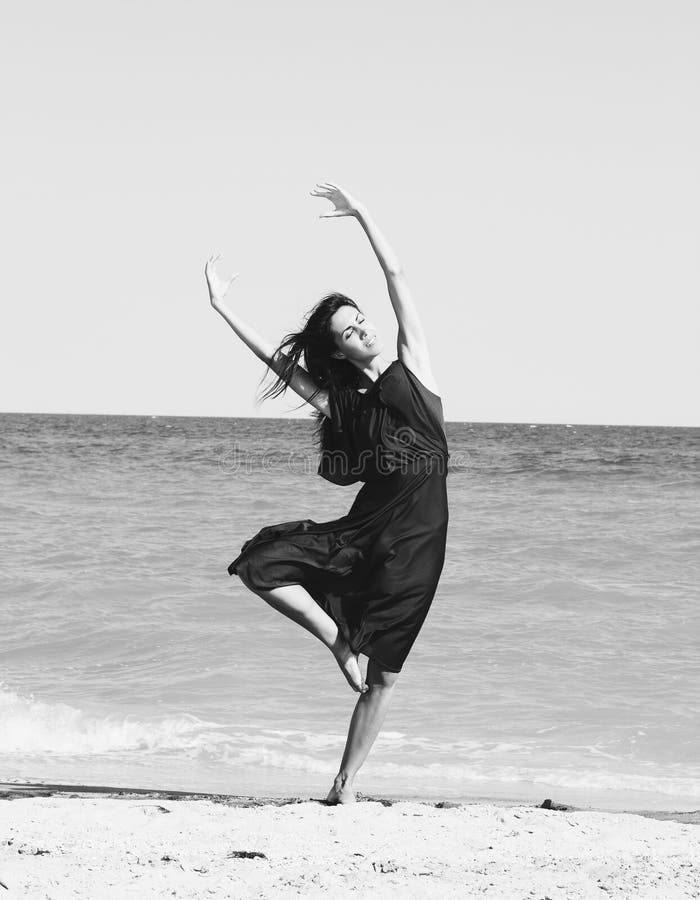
{"x": 348, "y": 332}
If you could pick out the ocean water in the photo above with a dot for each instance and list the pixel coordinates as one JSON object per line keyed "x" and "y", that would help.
{"x": 560, "y": 657}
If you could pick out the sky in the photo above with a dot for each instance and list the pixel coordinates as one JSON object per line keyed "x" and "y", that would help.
{"x": 534, "y": 166}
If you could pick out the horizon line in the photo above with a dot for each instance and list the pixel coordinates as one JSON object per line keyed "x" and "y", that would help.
{"x": 527, "y": 422}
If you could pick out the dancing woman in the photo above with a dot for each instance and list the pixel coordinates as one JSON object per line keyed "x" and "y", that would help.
{"x": 362, "y": 583}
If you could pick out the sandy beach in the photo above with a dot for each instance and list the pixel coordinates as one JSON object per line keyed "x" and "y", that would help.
{"x": 63, "y": 841}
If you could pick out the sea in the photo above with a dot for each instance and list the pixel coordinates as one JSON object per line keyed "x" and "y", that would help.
{"x": 560, "y": 658}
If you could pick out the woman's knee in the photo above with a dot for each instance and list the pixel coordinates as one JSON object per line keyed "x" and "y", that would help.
{"x": 380, "y": 677}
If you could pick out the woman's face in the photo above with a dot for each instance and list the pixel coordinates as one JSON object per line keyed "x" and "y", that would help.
{"x": 355, "y": 336}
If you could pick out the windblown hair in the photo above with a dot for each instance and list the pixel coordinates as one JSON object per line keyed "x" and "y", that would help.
{"x": 316, "y": 344}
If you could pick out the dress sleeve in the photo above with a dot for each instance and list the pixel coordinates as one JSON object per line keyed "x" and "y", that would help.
{"x": 337, "y": 462}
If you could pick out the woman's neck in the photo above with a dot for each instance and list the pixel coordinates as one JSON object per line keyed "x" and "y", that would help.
{"x": 378, "y": 368}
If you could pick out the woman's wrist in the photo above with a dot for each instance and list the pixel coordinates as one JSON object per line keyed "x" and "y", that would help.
{"x": 380, "y": 245}
{"x": 361, "y": 211}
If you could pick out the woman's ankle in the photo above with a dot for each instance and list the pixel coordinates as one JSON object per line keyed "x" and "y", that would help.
{"x": 343, "y": 781}
{"x": 340, "y": 647}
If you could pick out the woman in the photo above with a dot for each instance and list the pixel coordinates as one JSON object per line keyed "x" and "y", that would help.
{"x": 362, "y": 583}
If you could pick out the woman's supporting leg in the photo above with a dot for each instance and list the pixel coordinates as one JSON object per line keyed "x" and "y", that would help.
{"x": 295, "y": 602}
{"x": 366, "y": 721}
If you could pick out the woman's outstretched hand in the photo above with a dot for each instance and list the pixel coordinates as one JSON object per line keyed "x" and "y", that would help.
{"x": 218, "y": 287}
{"x": 345, "y": 204}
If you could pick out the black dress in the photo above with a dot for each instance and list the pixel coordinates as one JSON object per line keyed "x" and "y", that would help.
{"x": 376, "y": 569}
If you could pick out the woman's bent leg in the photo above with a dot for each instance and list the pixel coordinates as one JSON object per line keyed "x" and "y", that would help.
{"x": 295, "y": 602}
{"x": 365, "y": 724}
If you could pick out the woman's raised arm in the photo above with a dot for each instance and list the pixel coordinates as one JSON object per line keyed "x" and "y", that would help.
{"x": 412, "y": 345}
{"x": 301, "y": 382}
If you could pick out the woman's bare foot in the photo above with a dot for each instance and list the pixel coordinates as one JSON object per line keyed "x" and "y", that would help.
{"x": 341, "y": 792}
{"x": 349, "y": 664}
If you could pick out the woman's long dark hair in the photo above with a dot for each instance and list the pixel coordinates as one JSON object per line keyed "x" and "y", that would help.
{"x": 315, "y": 342}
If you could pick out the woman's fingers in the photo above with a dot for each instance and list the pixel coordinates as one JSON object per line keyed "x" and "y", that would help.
{"x": 209, "y": 272}
{"x": 333, "y": 192}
